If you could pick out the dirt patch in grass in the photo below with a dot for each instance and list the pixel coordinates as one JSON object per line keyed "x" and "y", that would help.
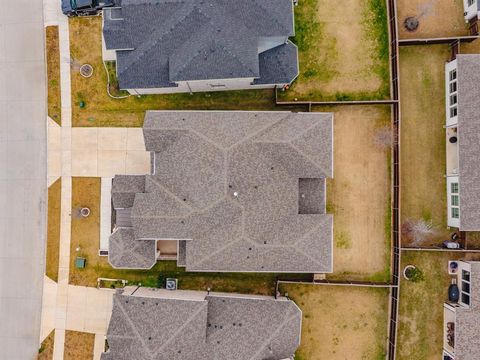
{"x": 437, "y": 18}
{"x": 343, "y": 53}
{"x": 46, "y": 348}
{"x": 86, "y": 236}
{"x": 53, "y": 229}
{"x": 420, "y": 331}
{"x": 359, "y": 194}
{"x": 423, "y": 154}
{"x": 53, "y": 73}
{"x": 341, "y": 322}
{"x": 101, "y": 110}
{"x": 78, "y": 345}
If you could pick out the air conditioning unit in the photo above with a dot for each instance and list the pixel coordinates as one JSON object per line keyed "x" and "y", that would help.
{"x": 171, "y": 284}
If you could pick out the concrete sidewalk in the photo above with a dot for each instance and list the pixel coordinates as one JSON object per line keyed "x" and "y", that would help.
{"x": 87, "y": 310}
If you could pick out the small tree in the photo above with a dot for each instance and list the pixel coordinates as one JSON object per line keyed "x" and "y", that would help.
{"x": 414, "y": 274}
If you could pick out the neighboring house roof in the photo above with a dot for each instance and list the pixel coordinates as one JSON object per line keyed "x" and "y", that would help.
{"x": 469, "y": 140}
{"x": 467, "y": 320}
{"x": 189, "y": 325}
{"x": 246, "y": 190}
{"x": 168, "y": 41}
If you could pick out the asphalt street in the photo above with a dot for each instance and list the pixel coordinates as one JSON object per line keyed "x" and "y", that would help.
{"x": 23, "y": 174}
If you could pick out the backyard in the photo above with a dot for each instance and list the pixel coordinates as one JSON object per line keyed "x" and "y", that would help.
{"x": 86, "y": 237}
{"x": 53, "y": 230}
{"x": 101, "y": 110}
{"x": 341, "y": 322}
{"x": 343, "y": 54}
{"x": 436, "y": 18}
{"x": 423, "y": 158}
{"x": 420, "y": 331}
{"x": 78, "y": 345}
{"x": 359, "y": 194}
{"x": 53, "y": 73}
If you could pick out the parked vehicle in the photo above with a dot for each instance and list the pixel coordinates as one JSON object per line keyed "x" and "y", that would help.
{"x": 84, "y": 7}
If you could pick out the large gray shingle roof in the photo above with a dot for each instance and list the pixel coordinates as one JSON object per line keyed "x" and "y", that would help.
{"x": 185, "y": 325}
{"x": 275, "y": 162}
{"x": 467, "y": 329}
{"x": 469, "y": 140}
{"x": 167, "y": 41}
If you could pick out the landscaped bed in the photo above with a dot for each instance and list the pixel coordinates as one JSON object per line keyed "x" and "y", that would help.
{"x": 343, "y": 50}
{"x": 359, "y": 194}
{"x": 53, "y": 230}
{"x": 341, "y": 322}
{"x": 78, "y": 345}
{"x": 86, "y": 237}
{"x": 101, "y": 110}
{"x": 53, "y": 73}
{"x": 436, "y": 18}
{"x": 423, "y": 157}
{"x": 420, "y": 331}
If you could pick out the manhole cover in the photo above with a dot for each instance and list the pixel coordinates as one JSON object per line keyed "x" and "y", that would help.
{"x": 411, "y": 23}
{"x": 86, "y": 70}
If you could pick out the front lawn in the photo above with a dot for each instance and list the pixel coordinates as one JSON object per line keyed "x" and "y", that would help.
{"x": 86, "y": 237}
{"x": 46, "y": 348}
{"x": 420, "y": 330}
{"x": 343, "y": 51}
{"x": 341, "y": 322}
{"x": 423, "y": 154}
{"x": 78, "y": 345}
{"x": 359, "y": 194}
{"x": 102, "y": 110}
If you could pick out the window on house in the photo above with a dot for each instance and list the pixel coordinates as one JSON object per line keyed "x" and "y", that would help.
{"x": 465, "y": 299}
{"x": 454, "y": 188}
{"x": 470, "y": 2}
{"x": 466, "y": 275}
{"x": 454, "y": 200}
{"x": 453, "y": 99}
{"x": 453, "y": 74}
{"x": 453, "y": 87}
{"x": 455, "y": 212}
{"x": 453, "y": 111}
{"x": 466, "y": 287}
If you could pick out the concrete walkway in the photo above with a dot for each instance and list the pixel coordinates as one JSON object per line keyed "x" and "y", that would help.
{"x": 88, "y": 310}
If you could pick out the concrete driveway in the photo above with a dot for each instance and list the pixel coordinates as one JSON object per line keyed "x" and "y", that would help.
{"x": 22, "y": 176}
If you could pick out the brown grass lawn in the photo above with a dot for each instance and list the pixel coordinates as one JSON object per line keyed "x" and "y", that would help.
{"x": 359, "y": 194}
{"x": 341, "y": 322}
{"x": 423, "y": 156}
{"x": 53, "y": 229}
{"x": 101, "y": 110}
{"x": 46, "y": 348}
{"x": 86, "y": 235}
{"x": 343, "y": 52}
{"x": 437, "y": 18}
{"x": 53, "y": 73}
{"x": 78, "y": 345}
{"x": 420, "y": 332}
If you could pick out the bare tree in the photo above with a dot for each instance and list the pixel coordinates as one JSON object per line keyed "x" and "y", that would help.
{"x": 418, "y": 231}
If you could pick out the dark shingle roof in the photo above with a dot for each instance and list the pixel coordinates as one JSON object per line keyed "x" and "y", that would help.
{"x": 248, "y": 189}
{"x": 178, "y": 40}
{"x": 467, "y": 320}
{"x": 187, "y": 325}
{"x": 468, "y": 140}
{"x": 124, "y": 251}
